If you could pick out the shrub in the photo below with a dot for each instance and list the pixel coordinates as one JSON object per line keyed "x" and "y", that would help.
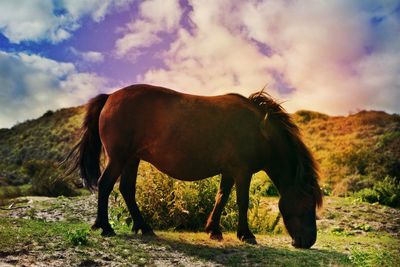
{"x": 386, "y": 192}
{"x": 306, "y": 115}
{"x": 262, "y": 185}
{"x": 47, "y": 179}
{"x": 78, "y": 237}
{"x": 48, "y": 114}
{"x": 167, "y": 203}
{"x": 368, "y": 195}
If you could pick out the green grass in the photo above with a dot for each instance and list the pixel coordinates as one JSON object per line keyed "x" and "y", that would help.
{"x": 37, "y": 237}
{"x": 350, "y": 234}
{"x": 33, "y": 238}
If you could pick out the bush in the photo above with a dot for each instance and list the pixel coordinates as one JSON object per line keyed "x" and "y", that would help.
{"x": 167, "y": 203}
{"x": 262, "y": 185}
{"x": 368, "y": 195}
{"x": 78, "y": 237}
{"x": 306, "y": 116}
{"x": 386, "y": 192}
{"x": 47, "y": 179}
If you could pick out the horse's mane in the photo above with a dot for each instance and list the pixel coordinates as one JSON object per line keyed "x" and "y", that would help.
{"x": 307, "y": 169}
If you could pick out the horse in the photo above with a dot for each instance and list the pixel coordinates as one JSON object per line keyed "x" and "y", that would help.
{"x": 191, "y": 137}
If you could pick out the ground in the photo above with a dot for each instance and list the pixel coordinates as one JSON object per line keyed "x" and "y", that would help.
{"x": 38, "y": 231}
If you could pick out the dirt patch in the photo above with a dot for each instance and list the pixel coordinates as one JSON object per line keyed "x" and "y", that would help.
{"x": 54, "y": 209}
{"x": 355, "y": 217}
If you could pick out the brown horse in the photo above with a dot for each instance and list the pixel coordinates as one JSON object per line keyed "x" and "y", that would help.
{"x": 194, "y": 137}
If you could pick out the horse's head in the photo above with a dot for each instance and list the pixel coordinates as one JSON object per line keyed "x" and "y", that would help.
{"x": 298, "y": 213}
{"x": 293, "y": 170}
{"x": 296, "y": 177}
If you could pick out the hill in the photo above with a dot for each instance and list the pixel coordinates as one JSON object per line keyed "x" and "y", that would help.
{"x": 46, "y": 139}
{"x": 354, "y": 152}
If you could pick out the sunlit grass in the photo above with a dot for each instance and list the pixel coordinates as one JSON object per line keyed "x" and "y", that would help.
{"x": 35, "y": 237}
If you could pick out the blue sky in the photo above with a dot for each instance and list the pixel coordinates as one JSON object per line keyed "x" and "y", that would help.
{"x": 331, "y": 56}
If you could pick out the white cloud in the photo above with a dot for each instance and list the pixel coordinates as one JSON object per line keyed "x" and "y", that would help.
{"x": 88, "y": 56}
{"x": 97, "y": 9}
{"x": 213, "y": 59}
{"x": 32, "y": 85}
{"x": 155, "y": 17}
{"x": 37, "y": 20}
{"x": 318, "y": 48}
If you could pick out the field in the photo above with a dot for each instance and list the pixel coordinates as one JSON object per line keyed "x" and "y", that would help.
{"x": 55, "y": 232}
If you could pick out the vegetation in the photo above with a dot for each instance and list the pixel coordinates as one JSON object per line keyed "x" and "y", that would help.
{"x": 355, "y": 154}
{"x": 386, "y": 192}
{"x": 45, "y": 140}
{"x": 171, "y": 204}
{"x": 47, "y": 179}
{"x": 55, "y": 231}
{"x": 359, "y": 156}
{"x": 78, "y": 237}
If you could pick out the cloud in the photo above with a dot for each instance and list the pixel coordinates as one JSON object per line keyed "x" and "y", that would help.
{"x": 214, "y": 58}
{"x": 88, "y": 56}
{"x": 54, "y": 21}
{"x": 334, "y": 57}
{"x": 31, "y": 85}
{"x": 155, "y": 17}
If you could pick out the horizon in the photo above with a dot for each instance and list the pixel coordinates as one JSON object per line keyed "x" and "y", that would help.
{"x": 350, "y": 113}
{"x": 336, "y": 58}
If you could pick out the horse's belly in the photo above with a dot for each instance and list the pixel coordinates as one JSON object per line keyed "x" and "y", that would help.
{"x": 182, "y": 167}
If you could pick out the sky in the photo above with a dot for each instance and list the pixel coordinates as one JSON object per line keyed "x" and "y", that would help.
{"x": 335, "y": 57}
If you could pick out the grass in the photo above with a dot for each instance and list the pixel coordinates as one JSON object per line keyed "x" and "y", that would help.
{"x": 350, "y": 235}
{"x": 36, "y": 237}
{"x": 39, "y": 239}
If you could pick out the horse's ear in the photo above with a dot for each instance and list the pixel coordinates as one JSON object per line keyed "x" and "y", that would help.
{"x": 263, "y": 126}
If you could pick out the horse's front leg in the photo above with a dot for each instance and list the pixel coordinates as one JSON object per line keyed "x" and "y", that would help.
{"x": 127, "y": 187}
{"x": 222, "y": 197}
{"x": 242, "y": 184}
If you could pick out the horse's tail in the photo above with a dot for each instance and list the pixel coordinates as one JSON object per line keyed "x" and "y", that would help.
{"x": 86, "y": 153}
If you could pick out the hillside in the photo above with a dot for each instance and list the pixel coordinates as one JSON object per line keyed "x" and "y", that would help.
{"x": 354, "y": 151}
{"x": 47, "y": 138}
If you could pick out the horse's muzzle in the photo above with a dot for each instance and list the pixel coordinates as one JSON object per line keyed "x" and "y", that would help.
{"x": 304, "y": 241}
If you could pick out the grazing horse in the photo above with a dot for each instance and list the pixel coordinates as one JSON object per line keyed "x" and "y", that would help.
{"x": 193, "y": 137}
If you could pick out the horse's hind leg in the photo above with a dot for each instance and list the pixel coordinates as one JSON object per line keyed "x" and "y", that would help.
{"x": 105, "y": 185}
{"x": 127, "y": 187}
{"x": 222, "y": 197}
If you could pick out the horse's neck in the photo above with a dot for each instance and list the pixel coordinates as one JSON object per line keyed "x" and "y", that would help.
{"x": 280, "y": 165}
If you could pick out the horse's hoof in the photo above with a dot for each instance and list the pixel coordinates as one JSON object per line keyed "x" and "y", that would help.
{"x": 108, "y": 233}
{"x": 95, "y": 226}
{"x": 146, "y": 230}
{"x": 148, "y": 233}
{"x": 250, "y": 240}
{"x": 217, "y": 236}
